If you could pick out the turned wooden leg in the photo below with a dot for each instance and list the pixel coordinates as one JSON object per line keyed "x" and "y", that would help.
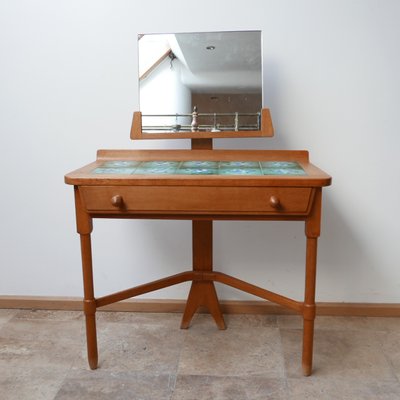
{"x": 89, "y": 303}
{"x": 202, "y": 293}
{"x": 309, "y": 306}
{"x": 84, "y": 227}
{"x": 312, "y": 230}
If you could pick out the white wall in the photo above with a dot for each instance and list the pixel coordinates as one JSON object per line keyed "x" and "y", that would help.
{"x": 69, "y": 87}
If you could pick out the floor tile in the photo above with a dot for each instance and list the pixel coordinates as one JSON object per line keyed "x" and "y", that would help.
{"x": 250, "y": 320}
{"x": 339, "y": 354}
{"x": 344, "y": 389}
{"x": 116, "y": 386}
{"x": 191, "y": 387}
{"x": 390, "y": 342}
{"x": 289, "y": 321}
{"x": 342, "y": 323}
{"x": 19, "y": 357}
{"x": 43, "y": 330}
{"x": 232, "y": 352}
{"x": 49, "y": 315}
{"x": 163, "y": 320}
{"x": 38, "y": 384}
{"x": 126, "y": 347}
{"x": 232, "y": 321}
{"x": 391, "y": 324}
{"x": 325, "y": 322}
{"x": 6, "y": 315}
{"x": 33, "y": 369}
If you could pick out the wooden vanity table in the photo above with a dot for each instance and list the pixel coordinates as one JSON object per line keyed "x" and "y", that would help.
{"x": 224, "y": 185}
{"x": 217, "y": 75}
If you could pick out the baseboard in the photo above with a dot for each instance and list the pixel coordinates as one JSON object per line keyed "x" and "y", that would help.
{"x": 228, "y": 306}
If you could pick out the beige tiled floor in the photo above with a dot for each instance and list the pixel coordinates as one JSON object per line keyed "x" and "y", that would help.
{"x": 147, "y": 356}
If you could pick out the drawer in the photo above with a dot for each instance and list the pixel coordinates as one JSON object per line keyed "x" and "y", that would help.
{"x": 187, "y": 199}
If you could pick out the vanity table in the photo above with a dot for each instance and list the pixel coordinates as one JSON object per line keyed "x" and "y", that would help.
{"x": 202, "y": 185}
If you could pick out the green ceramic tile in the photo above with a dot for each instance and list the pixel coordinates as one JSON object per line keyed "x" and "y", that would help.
{"x": 199, "y": 164}
{"x": 120, "y": 163}
{"x": 240, "y": 171}
{"x": 280, "y": 164}
{"x": 239, "y": 164}
{"x": 159, "y": 164}
{"x": 114, "y": 171}
{"x": 283, "y": 171}
{"x": 155, "y": 170}
{"x": 294, "y": 171}
{"x": 157, "y": 167}
{"x": 282, "y": 168}
{"x": 197, "y": 171}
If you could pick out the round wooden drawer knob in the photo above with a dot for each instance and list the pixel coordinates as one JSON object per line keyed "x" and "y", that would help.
{"x": 117, "y": 200}
{"x": 274, "y": 202}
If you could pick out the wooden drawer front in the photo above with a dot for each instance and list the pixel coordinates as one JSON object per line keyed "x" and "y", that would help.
{"x": 196, "y": 199}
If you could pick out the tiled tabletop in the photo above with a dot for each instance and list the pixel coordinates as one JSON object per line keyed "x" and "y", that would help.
{"x": 252, "y": 168}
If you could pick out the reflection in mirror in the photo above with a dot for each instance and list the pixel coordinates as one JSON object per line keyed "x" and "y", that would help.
{"x": 210, "y": 81}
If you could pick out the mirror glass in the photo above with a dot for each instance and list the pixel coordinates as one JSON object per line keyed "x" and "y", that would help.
{"x": 207, "y": 81}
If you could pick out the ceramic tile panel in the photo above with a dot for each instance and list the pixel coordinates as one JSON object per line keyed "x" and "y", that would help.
{"x": 200, "y": 167}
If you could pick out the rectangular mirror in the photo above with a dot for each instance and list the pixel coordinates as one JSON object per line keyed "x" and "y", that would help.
{"x": 200, "y": 82}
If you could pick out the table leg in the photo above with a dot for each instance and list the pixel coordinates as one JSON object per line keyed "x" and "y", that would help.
{"x": 312, "y": 230}
{"x": 202, "y": 293}
{"x": 89, "y": 304}
{"x": 309, "y": 306}
{"x": 84, "y": 227}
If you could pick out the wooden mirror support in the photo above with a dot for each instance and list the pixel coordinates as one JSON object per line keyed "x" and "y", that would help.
{"x": 266, "y": 130}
